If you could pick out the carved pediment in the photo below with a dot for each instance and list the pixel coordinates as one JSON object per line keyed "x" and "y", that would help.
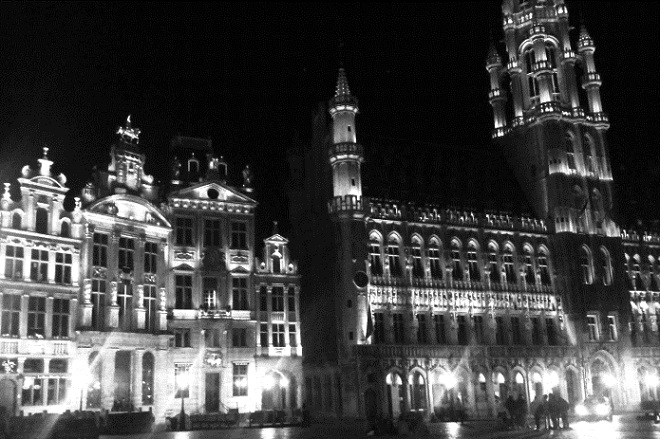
{"x": 212, "y": 191}
{"x": 131, "y": 208}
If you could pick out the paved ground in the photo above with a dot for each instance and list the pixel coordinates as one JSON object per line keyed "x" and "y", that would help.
{"x": 622, "y": 427}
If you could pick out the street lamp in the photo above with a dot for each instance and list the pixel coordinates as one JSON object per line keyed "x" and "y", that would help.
{"x": 183, "y": 381}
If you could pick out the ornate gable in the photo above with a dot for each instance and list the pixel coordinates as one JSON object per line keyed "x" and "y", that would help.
{"x": 212, "y": 191}
{"x": 131, "y": 208}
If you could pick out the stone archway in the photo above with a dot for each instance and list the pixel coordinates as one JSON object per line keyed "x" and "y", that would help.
{"x": 395, "y": 391}
{"x": 8, "y": 396}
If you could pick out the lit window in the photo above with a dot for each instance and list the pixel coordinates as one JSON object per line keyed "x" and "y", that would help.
{"x": 509, "y": 269}
{"x": 457, "y": 272}
{"x": 100, "y": 250}
{"x": 36, "y": 317}
{"x": 416, "y": 253}
{"x": 11, "y": 314}
{"x": 434, "y": 260}
{"x": 607, "y": 266}
{"x": 393, "y": 258}
{"x": 183, "y": 292}
{"x": 39, "y": 267}
{"x": 210, "y": 287}
{"x": 240, "y": 379}
{"x": 211, "y": 233}
{"x": 585, "y": 263}
{"x": 61, "y": 318}
{"x": 612, "y": 328}
{"x": 126, "y": 252}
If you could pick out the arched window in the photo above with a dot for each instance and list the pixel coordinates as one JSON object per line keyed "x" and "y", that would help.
{"x": 570, "y": 150}
{"x": 530, "y": 278}
{"x": 417, "y": 385}
{"x": 499, "y": 385}
{"x": 509, "y": 269}
{"x": 41, "y": 224}
{"x": 587, "y": 266}
{"x": 394, "y": 394}
{"x": 551, "y": 57}
{"x": 393, "y": 257}
{"x": 628, "y": 274}
{"x": 65, "y": 229}
{"x": 607, "y": 266}
{"x": 653, "y": 274}
{"x": 532, "y": 82}
{"x": 492, "y": 263}
{"x": 542, "y": 263}
{"x": 434, "y": 259}
{"x": 473, "y": 265}
{"x": 277, "y": 264}
{"x": 457, "y": 267}
{"x": 374, "y": 256}
{"x": 148, "y": 378}
{"x": 416, "y": 253}
{"x": 16, "y": 221}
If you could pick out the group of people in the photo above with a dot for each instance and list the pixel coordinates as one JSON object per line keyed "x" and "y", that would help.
{"x": 550, "y": 412}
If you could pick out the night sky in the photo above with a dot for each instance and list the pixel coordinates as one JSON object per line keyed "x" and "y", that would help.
{"x": 249, "y": 75}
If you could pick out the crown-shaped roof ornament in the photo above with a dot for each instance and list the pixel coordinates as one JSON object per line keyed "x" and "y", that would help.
{"x": 584, "y": 35}
{"x": 129, "y": 134}
{"x": 493, "y": 56}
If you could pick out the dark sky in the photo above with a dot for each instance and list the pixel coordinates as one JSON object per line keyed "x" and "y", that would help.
{"x": 249, "y": 75}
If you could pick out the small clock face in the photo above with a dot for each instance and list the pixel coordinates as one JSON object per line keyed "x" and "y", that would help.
{"x": 361, "y": 279}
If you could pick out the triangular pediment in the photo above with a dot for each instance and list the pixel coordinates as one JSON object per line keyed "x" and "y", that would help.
{"x": 131, "y": 208}
{"x": 277, "y": 238}
{"x": 239, "y": 269}
{"x": 213, "y": 191}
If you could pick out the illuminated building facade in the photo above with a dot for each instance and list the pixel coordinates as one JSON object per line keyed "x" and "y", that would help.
{"x": 133, "y": 301}
{"x": 432, "y": 307}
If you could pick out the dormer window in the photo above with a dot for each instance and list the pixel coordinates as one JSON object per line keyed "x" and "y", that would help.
{"x": 276, "y": 260}
{"x": 41, "y": 224}
{"x": 193, "y": 165}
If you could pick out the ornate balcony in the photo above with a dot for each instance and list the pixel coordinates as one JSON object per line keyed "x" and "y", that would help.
{"x": 348, "y": 204}
{"x": 347, "y": 150}
{"x": 590, "y": 80}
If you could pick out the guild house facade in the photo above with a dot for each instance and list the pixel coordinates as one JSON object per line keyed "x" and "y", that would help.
{"x": 137, "y": 300}
{"x": 430, "y": 307}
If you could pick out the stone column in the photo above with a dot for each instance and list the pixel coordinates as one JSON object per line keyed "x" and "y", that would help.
{"x": 87, "y": 307}
{"x": 162, "y": 310}
{"x": 490, "y": 393}
{"x": 23, "y": 319}
{"x": 108, "y": 378}
{"x": 112, "y": 312}
{"x": 136, "y": 377}
{"x": 139, "y": 311}
{"x": 73, "y": 310}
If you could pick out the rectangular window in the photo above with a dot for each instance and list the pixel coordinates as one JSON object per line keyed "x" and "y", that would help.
{"x": 36, "y": 317}
{"x": 240, "y": 379}
{"x": 212, "y": 337}
{"x": 263, "y": 334}
{"x": 278, "y": 335}
{"x": 11, "y": 315}
{"x": 32, "y": 392}
{"x": 422, "y": 332}
{"x": 592, "y": 327}
{"x": 551, "y": 331}
{"x": 63, "y": 263}
{"x": 98, "y": 300}
{"x": 212, "y": 233}
{"x": 182, "y": 379}
{"x": 463, "y": 338}
{"x": 61, "y": 318}
{"x": 239, "y": 293}
{"x": 611, "y": 327}
{"x": 56, "y": 391}
{"x": 440, "y": 332}
{"x": 293, "y": 339}
{"x": 183, "y": 292}
{"x": 239, "y": 337}
{"x": 537, "y": 338}
{"x": 263, "y": 299}
{"x": 277, "y": 294}
{"x": 478, "y": 322}
{"x": 379, "y": 328}
{"x": 150, "y": 307}
{"x": 291, "y": 304}
{"x": 210, "y": 287}
{"x": 125, "y": 302}
{"x": 184, "y": 231}
{"x": 39, "y": 267}
{"x": 182, "y": 337}
{"x": 374, "y": 259}
{"x": 515, "y": 330}
{"x": 500, "y": 331}
{"x": 126, "y": 251}
{"x": 397, "y": 326}
{"x": 14, "y": 262}
{"x": 150, "y": 257}
{"x": 417, "y": 268}
{"x": 100, "y": 250}
{"x": 239, "y": 235}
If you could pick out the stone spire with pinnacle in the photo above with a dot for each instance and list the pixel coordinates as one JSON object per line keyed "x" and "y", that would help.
{"x": 343, "y": 92}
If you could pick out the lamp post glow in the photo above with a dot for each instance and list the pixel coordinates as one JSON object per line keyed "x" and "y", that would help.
{"x": 608, "y": 380}
{"x": 183, "y": 380}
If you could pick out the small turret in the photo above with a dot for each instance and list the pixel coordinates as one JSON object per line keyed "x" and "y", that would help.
{"x": 591, "y": 81}
{"x": 496, "y": 96}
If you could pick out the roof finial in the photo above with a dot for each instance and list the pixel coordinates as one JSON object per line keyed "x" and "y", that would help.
{"x": 342, "y": 84}
{"x": 275, "y": 229}
{"x": 340, "y": 52}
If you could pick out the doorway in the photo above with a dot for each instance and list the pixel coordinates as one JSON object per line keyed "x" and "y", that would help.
{"x": 212, "y": 401}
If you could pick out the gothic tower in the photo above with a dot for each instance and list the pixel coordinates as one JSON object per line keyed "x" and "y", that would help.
{"x": 346, "y": 210}
{"x": 552, "y": 132}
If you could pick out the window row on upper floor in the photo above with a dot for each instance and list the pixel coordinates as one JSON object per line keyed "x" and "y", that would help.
{"x": 126, "y": 253}
{"x": 596, "y": 267}
{"x": 642, "y": 275}
{"x": 41, "y": 223}
{"x": 461, "y": 262}
{"x": 38, "y": 265}
{"x": 212, "y": 233}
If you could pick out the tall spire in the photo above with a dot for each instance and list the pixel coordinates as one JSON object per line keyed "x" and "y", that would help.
{"x": 342, "y": 84}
